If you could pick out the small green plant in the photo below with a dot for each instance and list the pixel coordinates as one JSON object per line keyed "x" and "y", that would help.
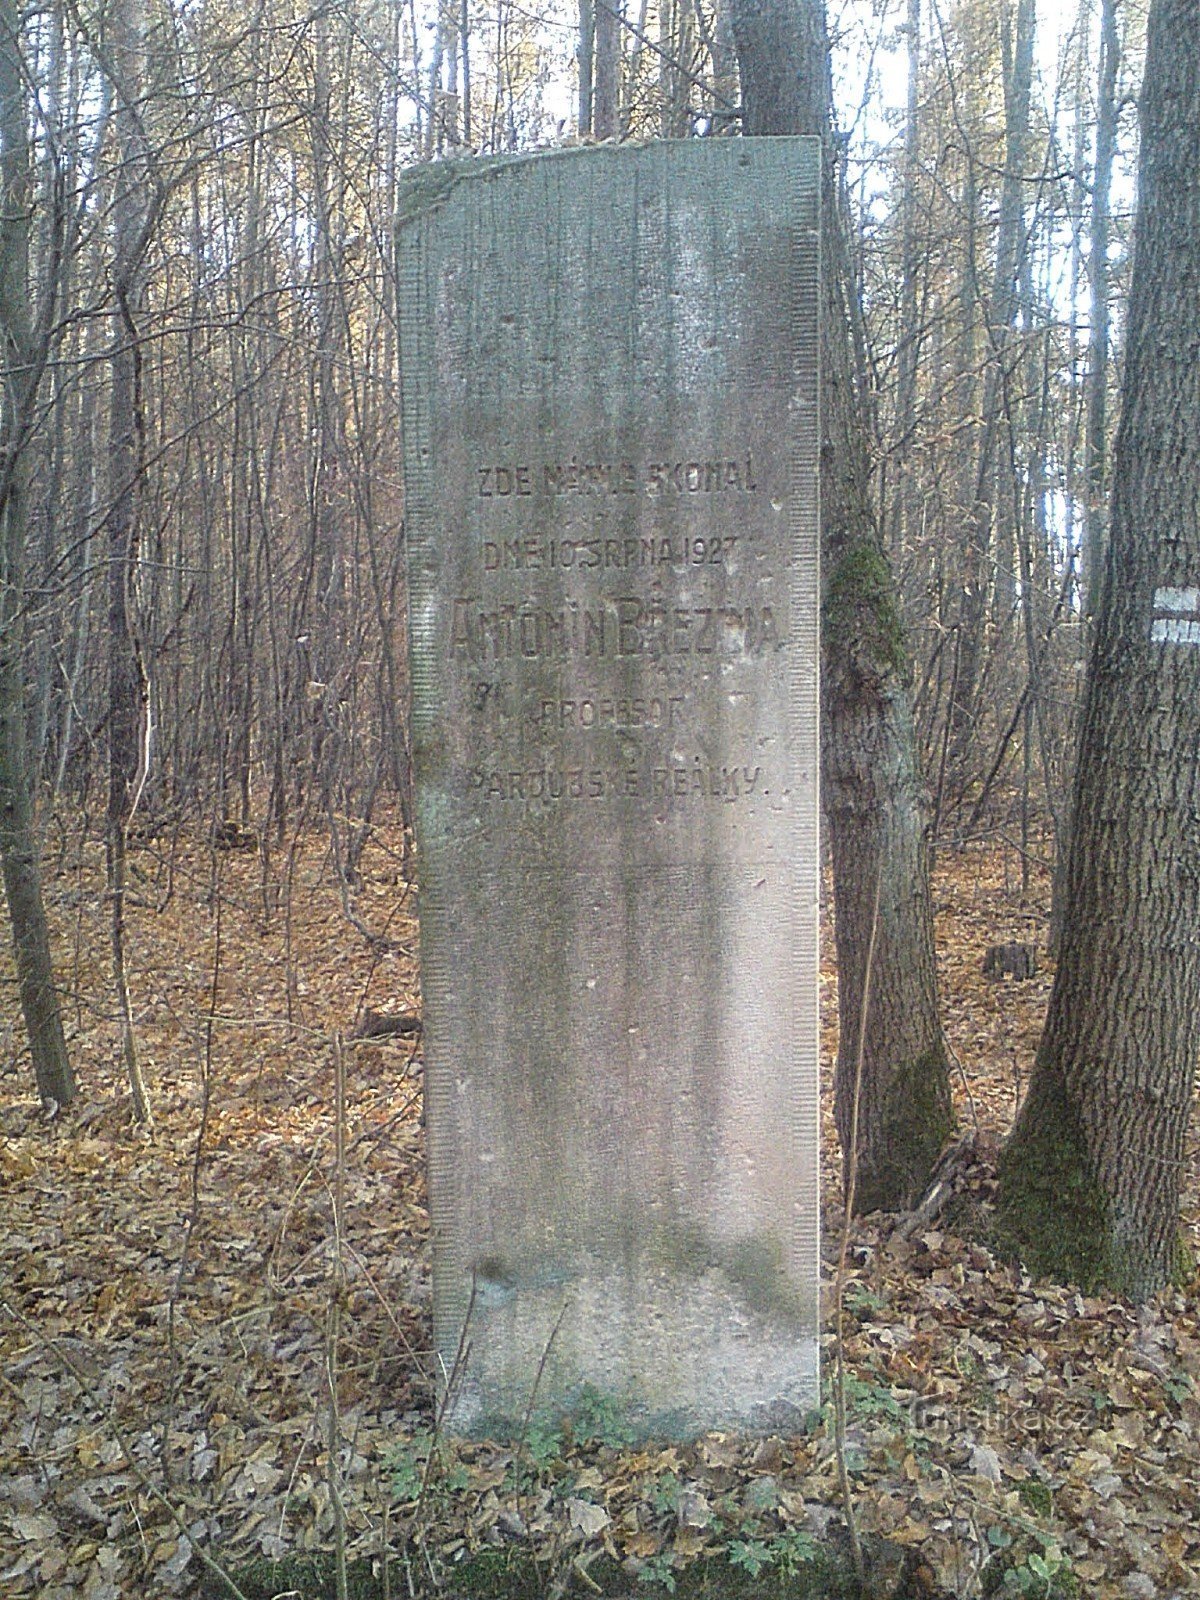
{"x": 785, "y": 1553}
{"x": 539, "y": 1448}
{"x": 1101, "y": 1402}
{"x": 751, "y": 1555}
{"x": 1042, "y": 1575}
{"x": 873, "y": 1400}
{"x": 861, "y": 1302}
{"x": 406, "y": 1463}
{"x": 1037, "y": 1496}
{"x": 970, "y": 1369}
{"x": 421, "y": 1466}
{"x": 1179, "y": 1387}
{"x": 792, "y": 1549}
{"x": 543, "y": 1442}
{"x": 660, "y": 1570}
{"x": 599, "y": 1419}
{"x": 664, "y": 1494}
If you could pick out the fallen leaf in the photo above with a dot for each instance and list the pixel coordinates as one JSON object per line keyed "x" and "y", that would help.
{"x": 588, "y": 1518}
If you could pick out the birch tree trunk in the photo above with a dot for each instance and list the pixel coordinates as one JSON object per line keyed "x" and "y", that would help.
{"x": 871, "y": 787}
{"x": 1090, "y": 1179}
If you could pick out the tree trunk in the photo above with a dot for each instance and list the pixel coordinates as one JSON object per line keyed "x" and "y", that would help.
{"x": 1096, "y": 385}
{"x": 587, "y": 41}
{"x": 871, "y": 787}
{"x": 606, "y": 68}
{"x": 1099, "y": 277}
{"x": 724, "y": 67}
{"x": 989, "y": 545}
{"x": 1090, "y": 1179}
{"x": 21, "y": 370}
{"x": 908, "y": 343}
{"x": 128, "y": 698}
{"x": 464, "y": 42}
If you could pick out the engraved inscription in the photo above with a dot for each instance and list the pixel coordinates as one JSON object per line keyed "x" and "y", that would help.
{"x": 683, "y": 782}
{"x": 605, "y": 711}
{"x": 580, "y": 728}
{"x": 695, "y": 780}
{"x": 554, "y": 784}
{"x": 504, "y": 480}
{"x": 627, "y": 626}
{"x": 496, "y": 700}
{"x": 590, "y": 555}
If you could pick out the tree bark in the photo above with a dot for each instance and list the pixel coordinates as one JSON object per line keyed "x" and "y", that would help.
{"x": 989, "y": 544}
{"x": 584, "y": 57}
{"x": 22, "y": 362}
{"x": 128, "y": 696}
{"x": 1090, "y": 1179}
{"x": 1096, "y": 425}
{"x": 1099, "y": 278}
{"x": 909, "y": 340}
{"x": 606, "y": 69}
{"x": 872, "y": 792}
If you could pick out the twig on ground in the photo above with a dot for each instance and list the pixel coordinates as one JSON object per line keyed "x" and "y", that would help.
{"x": 333, "y": 1320}
{"x": 193, "y": 1216}
{"x": 839, "y": 1371}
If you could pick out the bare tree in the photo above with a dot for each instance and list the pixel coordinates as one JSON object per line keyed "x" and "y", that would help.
{"x": 129, "y": 730}
{"x": 988, "y": 548}
{"x": 23, "y": 351}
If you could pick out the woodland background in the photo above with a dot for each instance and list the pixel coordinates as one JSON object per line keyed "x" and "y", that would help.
{"x": 213, "y": 193}
{"x": 214, "y": 1331}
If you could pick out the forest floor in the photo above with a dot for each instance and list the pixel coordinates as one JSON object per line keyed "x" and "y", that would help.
{"x": 195, "y": 1356}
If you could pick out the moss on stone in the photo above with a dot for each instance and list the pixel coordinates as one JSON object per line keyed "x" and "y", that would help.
{"x": 756, "y": 1265}
{"x": 860, "y": 600}
{"x": 1052, "y": 1214}
{"x": 426, "y": 186}
{"x": 916, "y": 1121}
{"x": 679, "y": 1245}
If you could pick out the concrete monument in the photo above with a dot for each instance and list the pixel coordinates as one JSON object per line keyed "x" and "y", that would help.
{"x": 610, "y": 426}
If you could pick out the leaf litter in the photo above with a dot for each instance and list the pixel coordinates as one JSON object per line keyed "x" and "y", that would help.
{"x": 171, "y": 1301}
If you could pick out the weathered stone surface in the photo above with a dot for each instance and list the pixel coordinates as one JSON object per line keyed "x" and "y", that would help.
{"x": 610, "y": 388}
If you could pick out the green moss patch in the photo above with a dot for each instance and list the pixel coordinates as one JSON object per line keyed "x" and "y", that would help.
{"x": 860, "y": 603}
{"x": 917, "y": 1120}
{"x": 1185, "y": 1267}
{"x": 1051, "y": 1214}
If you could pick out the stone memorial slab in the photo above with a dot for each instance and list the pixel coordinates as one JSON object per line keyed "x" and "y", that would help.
{"x": 610, "y": 418}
